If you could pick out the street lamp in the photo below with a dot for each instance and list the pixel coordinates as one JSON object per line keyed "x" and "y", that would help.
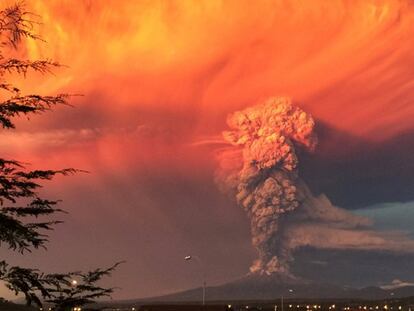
{"x": 281, "y": 298}
{"x": 196, "y": 258}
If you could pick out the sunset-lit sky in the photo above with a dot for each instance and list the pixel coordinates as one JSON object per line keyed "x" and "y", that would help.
{"x": 159, "y": 78}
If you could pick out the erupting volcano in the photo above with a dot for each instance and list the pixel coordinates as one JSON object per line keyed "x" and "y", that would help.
{"x": 261, "y": 170}
{"x": 267, "y": 186}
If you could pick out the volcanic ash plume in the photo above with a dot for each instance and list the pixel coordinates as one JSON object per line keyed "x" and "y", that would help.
{"x": 267, "y": 185}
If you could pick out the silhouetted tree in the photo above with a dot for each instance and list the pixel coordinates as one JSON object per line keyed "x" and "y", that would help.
{"x": 25, "y": 216}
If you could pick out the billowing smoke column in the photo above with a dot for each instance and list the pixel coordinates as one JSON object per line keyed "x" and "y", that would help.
{"x": 267, "y": 185}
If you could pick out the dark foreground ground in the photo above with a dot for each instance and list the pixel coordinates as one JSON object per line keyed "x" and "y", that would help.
{"x": 389, "y": 304}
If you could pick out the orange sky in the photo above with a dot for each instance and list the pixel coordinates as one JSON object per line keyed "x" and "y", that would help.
{"x": 158, "y": 77}
{"x": 180, "y": 67}
{"x": 346, "y": 62}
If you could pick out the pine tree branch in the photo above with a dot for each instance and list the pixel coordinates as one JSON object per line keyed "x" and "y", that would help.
{"x": 15, "y": 24}
{"x": 28, "y": 104}
{"x": 22, "y": 66}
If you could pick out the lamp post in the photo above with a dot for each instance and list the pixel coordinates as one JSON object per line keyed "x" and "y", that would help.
{"x": 281, "y": 299}
{"x": 196, "y": 258}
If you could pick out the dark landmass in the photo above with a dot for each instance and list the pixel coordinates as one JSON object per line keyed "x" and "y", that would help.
{"x": 269, "y": 290}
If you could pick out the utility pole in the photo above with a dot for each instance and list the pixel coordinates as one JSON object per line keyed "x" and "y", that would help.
{"x": 204, "y": 291}
{"x": 188, "y": 258}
